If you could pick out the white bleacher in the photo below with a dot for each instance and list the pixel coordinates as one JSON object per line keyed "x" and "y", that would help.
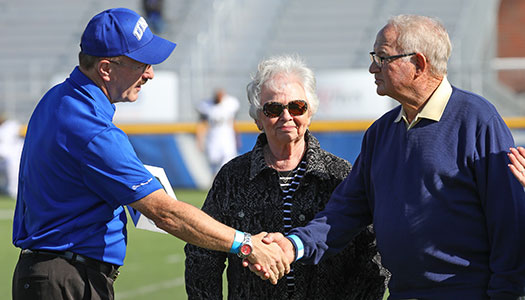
{"x": 326, "y": 33}
{"x": 220, "y": 42}
{"x": 39, "y": 39}
{"x": 338, "y": 34}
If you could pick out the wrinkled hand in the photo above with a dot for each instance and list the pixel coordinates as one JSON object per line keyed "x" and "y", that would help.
{"x": 270, "y": 259}
{"x": 288, "y": 255}
{"x": 517, "y": 158}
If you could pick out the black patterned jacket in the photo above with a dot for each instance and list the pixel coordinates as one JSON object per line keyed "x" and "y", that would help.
{"x": 246, "y": 196}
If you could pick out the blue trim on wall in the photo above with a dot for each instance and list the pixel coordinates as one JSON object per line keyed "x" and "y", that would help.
{"x": 247, "y": 142}
{"x": 346, "y": 145}
{"x": 343, "y": 144}
{"x": 162, "y": 151}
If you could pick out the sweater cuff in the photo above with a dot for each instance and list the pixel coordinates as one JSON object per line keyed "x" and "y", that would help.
{"x": 298, "y": 245}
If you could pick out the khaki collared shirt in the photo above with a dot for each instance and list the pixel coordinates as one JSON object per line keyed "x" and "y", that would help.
{"x": 434, "y": 107}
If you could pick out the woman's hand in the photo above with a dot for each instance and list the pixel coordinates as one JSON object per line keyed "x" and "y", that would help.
{"x": 517, "y": 166}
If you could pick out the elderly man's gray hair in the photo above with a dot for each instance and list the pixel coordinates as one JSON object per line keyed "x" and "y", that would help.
{"x": 426, "y": 35}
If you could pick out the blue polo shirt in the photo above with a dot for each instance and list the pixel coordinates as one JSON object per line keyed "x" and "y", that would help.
{"x": 77, "y": 171}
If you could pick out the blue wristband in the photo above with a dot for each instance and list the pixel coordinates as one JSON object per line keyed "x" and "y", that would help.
{"x": 237, "y": 241}
{"x": 298, "y": 245}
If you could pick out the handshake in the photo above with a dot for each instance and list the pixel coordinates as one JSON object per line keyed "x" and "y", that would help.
{"x": 271, "y": 256}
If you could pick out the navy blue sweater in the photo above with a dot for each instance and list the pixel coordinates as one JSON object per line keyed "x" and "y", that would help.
{"x": 448, "y": 214}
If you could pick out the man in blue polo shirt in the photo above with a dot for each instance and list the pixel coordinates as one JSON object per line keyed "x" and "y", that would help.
{"x": 432, "y": 177}
{"x": 78, "y": 170}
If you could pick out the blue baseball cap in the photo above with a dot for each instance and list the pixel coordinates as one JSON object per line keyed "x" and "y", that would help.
{"x": 121, "y": 31}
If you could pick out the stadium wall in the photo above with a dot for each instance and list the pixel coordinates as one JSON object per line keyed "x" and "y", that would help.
{"x": 172, "y": 146}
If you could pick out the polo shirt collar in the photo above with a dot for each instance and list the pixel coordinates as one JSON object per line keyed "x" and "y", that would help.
{"x": 94, "y": 92}
{"x": 434, "y": 108}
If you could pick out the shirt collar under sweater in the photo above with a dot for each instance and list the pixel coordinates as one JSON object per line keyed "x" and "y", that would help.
{"x": 313, "y": 156}
{"x": 434, "y": 108}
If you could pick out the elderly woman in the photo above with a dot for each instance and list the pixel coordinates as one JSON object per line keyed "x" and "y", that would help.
{"x": 282, "y": 183}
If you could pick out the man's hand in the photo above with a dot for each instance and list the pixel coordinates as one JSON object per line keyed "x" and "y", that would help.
{"x": 517, "y": 158}
{"x": 271, "y": 261}
{"x": 287, "y": 249}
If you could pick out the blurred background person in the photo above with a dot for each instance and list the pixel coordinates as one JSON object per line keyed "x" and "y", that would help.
{"x": 215, "y": 130}
{"x": 11, "y": 143}
{"x": 282, "y": 183}
{"x": 153, "y": 10}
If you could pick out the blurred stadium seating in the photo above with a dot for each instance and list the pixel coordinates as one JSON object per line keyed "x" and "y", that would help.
{"x": 221, "y": 41}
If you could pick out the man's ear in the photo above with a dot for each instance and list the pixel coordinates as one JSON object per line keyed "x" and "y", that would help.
{"x": 421, "y": 63}
{"x": 103, "y": 69}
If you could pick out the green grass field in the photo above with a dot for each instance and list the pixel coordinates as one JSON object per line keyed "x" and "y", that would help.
{"x": 154, "y": 265}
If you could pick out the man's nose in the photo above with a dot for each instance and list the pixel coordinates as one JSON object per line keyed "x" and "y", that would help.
{"x": 149, "y": 73}
{"x": 374, "y": 68}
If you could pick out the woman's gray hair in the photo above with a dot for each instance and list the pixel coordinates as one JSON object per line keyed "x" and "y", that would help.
{"x": 425, "y": 35}
{"x": 287, "y": 65}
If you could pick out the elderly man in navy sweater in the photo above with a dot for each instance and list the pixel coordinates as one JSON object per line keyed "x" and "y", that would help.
{"x": 432, "y": 177}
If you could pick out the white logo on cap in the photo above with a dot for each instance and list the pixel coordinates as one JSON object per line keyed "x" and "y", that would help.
{"x": 140, "y": 27}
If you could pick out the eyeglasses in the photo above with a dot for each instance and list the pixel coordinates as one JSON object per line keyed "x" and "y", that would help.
{"x": 142, "y": 67}
{"x": 275, "y": 109}
{"x": 380, "y": 61}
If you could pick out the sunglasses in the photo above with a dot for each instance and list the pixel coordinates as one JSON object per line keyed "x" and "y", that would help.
{"x": 275, "y": 109}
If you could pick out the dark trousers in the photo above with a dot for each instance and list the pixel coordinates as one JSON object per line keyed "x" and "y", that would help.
{"x": 42, "y": 277}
